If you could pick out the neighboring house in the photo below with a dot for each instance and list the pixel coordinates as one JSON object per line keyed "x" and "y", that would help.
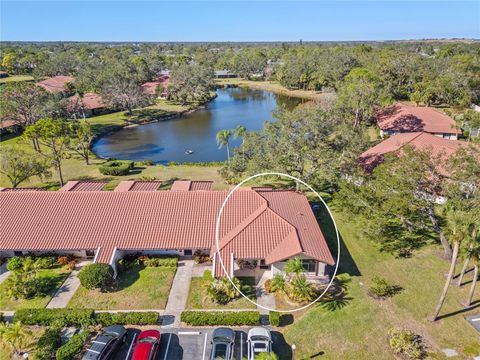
{"x": 401, "y": 118}
{"x": 437, "y": 146}
{"x": 90, "y": 104}
{"x": 9, "y": 125}
{"x": 3, "y": 74}
{"x": 224, "y": 74}
{"x": 56, "y": 84}
{"x": 260, "y": 228}
{"x": 151, "y": 86}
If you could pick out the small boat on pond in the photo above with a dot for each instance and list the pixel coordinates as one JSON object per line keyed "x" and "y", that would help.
{"x": 189, "y": 152}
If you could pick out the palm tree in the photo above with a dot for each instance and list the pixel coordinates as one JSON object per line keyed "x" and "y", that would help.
{"x": 294, "y": 267}
{"x": 239, "y": 131}
{"x": 457, "y": 229}
{"x": 474, "y": 254}
{"x": 223, "y": 138}
{"x": 301, "y": 290}
{"x": 266, "y": 356}
{"x": 15, "y": 335}
{"x": 464, "y": 267}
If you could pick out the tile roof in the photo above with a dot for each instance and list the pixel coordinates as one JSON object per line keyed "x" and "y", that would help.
{"x": 150, "y": 87}
{"x": 419, "y": 140}
{"x": 270, "y": 224}
{"x": 84, "y": 186}
{"x": 134, "y": 185}
{"x": 189, "y": 185}
{"x": 405, "y": 118}
{"x": 56, "y": 83}
{"x": 20, "y": 189}
{"x": 4, "y": 124}
{"x": 90, "y": 101}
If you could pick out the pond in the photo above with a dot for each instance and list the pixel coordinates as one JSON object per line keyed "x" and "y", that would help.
{"x": 170, "y": 140}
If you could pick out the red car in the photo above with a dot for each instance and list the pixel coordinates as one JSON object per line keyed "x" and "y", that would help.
{"x": 147, "y": 345}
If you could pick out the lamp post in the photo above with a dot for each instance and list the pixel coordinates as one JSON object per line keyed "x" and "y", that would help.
{"x": 293, "y": 351}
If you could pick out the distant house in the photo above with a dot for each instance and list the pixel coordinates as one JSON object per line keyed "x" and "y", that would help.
{"x": 224, "y": 74}
{"x": 150, "y": 87}
{"x": 437, "y": 146}
{"x": 401, "y": 118}
{"x": 56, "y": 84}
{"x": 260, "y": 230}
{"x": 3, "y": 74}
{"x": 9, "y": 126}
{"x": 89, "y": 103}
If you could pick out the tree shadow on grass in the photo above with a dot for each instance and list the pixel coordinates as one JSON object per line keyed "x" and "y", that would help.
{"x": 474, "y": 305}
{"x": 337, "y": 296}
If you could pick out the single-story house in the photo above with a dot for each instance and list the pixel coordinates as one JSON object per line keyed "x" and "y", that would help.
{"x": 150, "y": 87}
{"x": 9, "y": 125}
{"x": 401, "y": 118}
{"x": 56, "y": 84}
{"x": 437, "y": 146}
{"x": 225, "y": 74}
{"x": 89, "y": 103}
{"x": 260, "y": 227}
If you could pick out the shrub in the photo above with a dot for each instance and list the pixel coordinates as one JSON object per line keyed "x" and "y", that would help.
{"x": 116, "y": 167}
{"x": 71, "y": 265}
{"x": 406, "y": 343}
{"x": 46, "y": 262}
{"x": 380, "y": 288}
{"x": 48, "y": 343}
{"x": 14, "y": 263}
{"x": 64, "y": 259}
{"x": 222, "y": 291}
{"x": 300, "y": 290}
{"x": 274, "y": 318}
{"x": 130, "y": 318}
{"x": 96, "y": 276}
{"x": 73, "y": 347}
{"x": 161, "y": 262}
{"x": 204, "y": 318}
{"x": 278, "y": 283}
{"x": 57, "y": 317}
{"x": 268, "y": 285}
{"x": 200, "y": 258}
{"x": 207, "y": 276}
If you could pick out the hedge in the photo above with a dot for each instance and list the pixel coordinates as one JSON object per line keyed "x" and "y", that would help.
{"x": 96, "y": 276}
{"x": 130, "y": 318}
{"x": 161, "y": 262}
{"x": 73, "y": 346}
{"x": 116, "y": 167}
{"x": 274, "y": 318}
{"x": 202, "y": 318}
{"x": 57, "y": 317}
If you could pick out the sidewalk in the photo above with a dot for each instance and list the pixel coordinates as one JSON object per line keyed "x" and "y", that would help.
{"x": 177, "y": 299}
{"x": 68, "y": 288}
{"x": 4, "y": 273}
{"x": 264, "y": 299}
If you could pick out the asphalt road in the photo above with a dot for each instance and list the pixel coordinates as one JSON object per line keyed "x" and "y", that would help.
{"x": 195, "y": 344}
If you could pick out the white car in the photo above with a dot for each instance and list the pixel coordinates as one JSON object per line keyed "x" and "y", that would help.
{"x": 259, "y": 341}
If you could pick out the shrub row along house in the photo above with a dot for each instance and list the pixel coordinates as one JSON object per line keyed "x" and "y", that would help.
{"x": 260, "y": 227}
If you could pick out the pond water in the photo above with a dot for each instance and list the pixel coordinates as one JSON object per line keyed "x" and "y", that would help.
{"x": 168, "y": 140}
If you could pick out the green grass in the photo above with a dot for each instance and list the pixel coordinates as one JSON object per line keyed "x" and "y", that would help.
{"x": 6, "y": 350}
{"x": 56, "y": 276}
{"x": 198, "y": 297}
{"x": 13, "y": 78}
{"x": 358, "y": 329}
{"x": 138, "y": 288}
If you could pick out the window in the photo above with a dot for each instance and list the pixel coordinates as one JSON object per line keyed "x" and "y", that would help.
{"x": 309, "y": 265}
{"x": 263, "y": 265}
{"x": 89, "y": 253}
{"x": 187, "y": 252}
{"x": 18, "y": 253}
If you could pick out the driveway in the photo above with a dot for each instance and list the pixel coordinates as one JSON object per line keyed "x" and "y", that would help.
{"x": 194, "y": 344}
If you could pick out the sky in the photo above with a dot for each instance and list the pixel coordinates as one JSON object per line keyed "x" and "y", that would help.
{"x": 162, "y": 21}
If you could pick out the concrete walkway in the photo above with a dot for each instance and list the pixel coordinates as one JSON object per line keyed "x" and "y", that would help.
{"x": 177, "y": 299}
{"x": 68, "y": 288}
{"x": 4, "y": 273}
{"x": 263, "y": 298}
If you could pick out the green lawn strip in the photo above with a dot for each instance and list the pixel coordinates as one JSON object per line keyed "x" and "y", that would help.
{"x": 14, "y": 78}
{"x": 358, "y": 330}
{"x": 198, "y": 297}
{"x": 57, "y": 276}
{"x": 140, "y": 288}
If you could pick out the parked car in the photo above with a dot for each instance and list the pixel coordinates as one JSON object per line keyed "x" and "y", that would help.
{"x": 222, "y": 344}
{"x": 259, "y": 340}
{"x": 105, "y": 344}
{"x": 146, "y": 345}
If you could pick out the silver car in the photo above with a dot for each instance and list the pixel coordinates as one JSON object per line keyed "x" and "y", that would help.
{"x": 222, "y": 344}
{"x": 259, "y": 341}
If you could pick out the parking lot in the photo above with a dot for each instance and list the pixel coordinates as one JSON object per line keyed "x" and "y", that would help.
{"x": 177, "y": 344}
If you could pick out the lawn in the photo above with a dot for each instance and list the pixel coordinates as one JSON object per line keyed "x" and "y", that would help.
{"x": 56, "y": 276}
{"x": 30, "y": 344}
{"x": 358, "y": 328}
{"x": 14, "y": 78}
{"x": 198, "y": 297}
{"x": 138, "y": 289}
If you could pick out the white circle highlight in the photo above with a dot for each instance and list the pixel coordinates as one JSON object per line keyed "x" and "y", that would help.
{"x": 217, "y": 236}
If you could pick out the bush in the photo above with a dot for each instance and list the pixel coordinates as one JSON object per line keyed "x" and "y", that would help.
{"x": 116, "y": 167}
{"x": 204, "y": 318}
{"x": 130, "y": 318}
{"x": 268, "y": 285}
{"x": 64, "y": 259}
{"x": 96, "y": 276}
{"x": 46, "y": 262}
{"x": 161, "y": 262}
{"x": 207, "y": 276}
{"x": 222, "y": 291}
{"x": 406, "y": 343}
{"x": 274, "y": 318}
{"x": 73, "y": 346}
{"x": 200, "y": 258}
{"x": 57, "y": 317}
{"x": 14, "y": 263}
{"x": 278, "y": 283}
{"x": 48, "y": 343}
{"x": 380, "y": 288}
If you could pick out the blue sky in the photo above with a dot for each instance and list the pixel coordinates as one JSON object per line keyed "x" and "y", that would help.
{"x": 237, "y": 20}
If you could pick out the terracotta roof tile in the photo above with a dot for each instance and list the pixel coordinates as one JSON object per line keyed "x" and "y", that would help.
{"x": 84, "y": 186}
{"x": 56, "y": 83}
